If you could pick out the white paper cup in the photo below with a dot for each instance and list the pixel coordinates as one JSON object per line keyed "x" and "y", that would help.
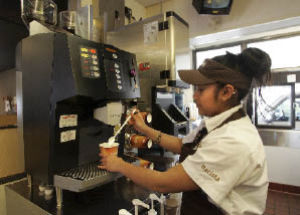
{"x": 109, "y": 149}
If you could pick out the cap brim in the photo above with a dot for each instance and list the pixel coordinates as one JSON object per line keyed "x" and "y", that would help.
{"x": 194, "y": 77}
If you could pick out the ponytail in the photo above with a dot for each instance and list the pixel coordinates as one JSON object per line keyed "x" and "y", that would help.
{"x": 253, "y": 63}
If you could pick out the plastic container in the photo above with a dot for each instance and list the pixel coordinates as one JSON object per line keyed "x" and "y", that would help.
{"x": 40, "y": 10}
{"x": 172, "y": 204}
{"x": 67, "y": 20}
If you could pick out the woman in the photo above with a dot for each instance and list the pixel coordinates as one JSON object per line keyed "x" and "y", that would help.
{"x": 222, "y": 166}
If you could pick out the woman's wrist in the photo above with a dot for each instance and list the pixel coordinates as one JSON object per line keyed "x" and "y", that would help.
{"x": 146, "y": 130}
{"x": 157, "y": 140}
{"x": 123, "y": 167}
{"x": 155, "y": 135}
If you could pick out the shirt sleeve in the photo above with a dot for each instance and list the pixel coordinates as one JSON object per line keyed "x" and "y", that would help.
{"x": 217, "y": 166}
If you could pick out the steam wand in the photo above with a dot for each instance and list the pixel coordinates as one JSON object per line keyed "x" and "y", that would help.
{"x": 112, "y": 139}
{"x": 124, "y": 212}
{"x": 153, "y": 197}
{"x": 136, "y": 203}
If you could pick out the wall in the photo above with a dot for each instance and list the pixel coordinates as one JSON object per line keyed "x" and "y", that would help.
{"x": 243, "y": 13}
{"x": 185, "y": 62}
{"x": 11, "y": 153}
{"x": 283, "y": 165}
{"x": 138, "y": 10}
{"x": 2, "y": 200}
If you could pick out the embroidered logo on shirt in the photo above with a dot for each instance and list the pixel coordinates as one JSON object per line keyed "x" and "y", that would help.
{"x": 210, "y": 173}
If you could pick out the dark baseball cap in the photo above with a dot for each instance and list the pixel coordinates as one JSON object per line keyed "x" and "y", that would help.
{"x": 211, "y": 71}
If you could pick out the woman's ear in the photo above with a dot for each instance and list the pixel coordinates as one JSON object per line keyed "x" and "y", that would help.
{"x": 227, "y": 92}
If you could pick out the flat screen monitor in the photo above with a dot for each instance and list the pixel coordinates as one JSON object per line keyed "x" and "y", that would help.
{"x": 215, "y": 7}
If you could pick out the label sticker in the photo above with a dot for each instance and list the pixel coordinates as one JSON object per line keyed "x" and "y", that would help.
{"x": 151, "y": 32}
{"x": 68, "y": 120}
{"x": 291, "y": 78}
{"x": 66, "y": 136}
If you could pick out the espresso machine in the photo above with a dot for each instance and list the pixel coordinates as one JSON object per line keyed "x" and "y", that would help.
{"x": 64, "y": 79}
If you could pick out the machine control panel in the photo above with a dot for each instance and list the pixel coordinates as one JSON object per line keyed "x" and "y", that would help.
{"x": 102, "y": 71}
{"x": 114, "y": 75}
{"x": 114, "y": 69}
{"x": 89, "y": 62}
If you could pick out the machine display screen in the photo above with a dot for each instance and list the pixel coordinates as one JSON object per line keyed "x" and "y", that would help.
{"x": 89, "y": 62}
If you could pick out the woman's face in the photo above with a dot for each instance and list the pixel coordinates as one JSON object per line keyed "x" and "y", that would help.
{"x": 207, "y": 99}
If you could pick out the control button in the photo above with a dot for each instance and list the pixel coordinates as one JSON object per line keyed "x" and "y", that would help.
{"x": 132, "y": 73}
{"x": 95, "y": 62}
{"x": 118, "y": 71}
{"x": 94, "y": 68}
{"x": 84, "y": 55}
{"x": 118, "y": 76}
{"x": 97, "y": 74}
{"x": 115, "y": 56}
{"x": 94, "y": 56}
{"x": 84, "y": 49}
{"x": 93, "y": 51}
{"x": 119, "y": 81}
{"x": 117, "y": 66}
{"x": 120, "y": 87}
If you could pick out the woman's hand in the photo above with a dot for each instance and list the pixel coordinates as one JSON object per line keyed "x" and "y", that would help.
{"x": 137, "y": 121}
{"x": 111, "y": 163}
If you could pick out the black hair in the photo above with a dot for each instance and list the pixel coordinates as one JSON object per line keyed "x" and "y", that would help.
{"x": 252, "y": 62}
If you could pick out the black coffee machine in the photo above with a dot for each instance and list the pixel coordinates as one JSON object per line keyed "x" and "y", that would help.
{"x": 64, "y": 78}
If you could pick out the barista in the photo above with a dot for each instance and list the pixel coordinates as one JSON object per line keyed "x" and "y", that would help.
{"x": 223, "y": 168}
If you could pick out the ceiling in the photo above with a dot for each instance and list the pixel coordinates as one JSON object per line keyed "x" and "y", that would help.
{"x": 147, "y": 3}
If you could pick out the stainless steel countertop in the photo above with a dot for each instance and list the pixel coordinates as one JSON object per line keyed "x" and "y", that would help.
{"x": 106, "y": 199}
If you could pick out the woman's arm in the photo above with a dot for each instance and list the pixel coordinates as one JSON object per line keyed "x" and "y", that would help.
{"x": 168, "y": 142}
{"x": 173, "y": 180}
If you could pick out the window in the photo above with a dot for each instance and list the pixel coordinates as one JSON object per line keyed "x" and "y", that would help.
{"x": 274, "y": 106}
{"x": 202, "y": 55}
{"x": 283, "y": 52}
{"x": 284, "y": 55}
{"x": 278, "y": 105}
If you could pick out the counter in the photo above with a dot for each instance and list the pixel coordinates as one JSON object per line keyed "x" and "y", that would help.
{"x": 104, "y": 200}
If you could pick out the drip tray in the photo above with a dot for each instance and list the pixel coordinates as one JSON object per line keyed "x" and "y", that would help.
{"x": 84, "y": 178}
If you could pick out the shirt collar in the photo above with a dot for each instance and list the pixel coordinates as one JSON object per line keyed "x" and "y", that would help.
{"x": 213, "y": 122}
